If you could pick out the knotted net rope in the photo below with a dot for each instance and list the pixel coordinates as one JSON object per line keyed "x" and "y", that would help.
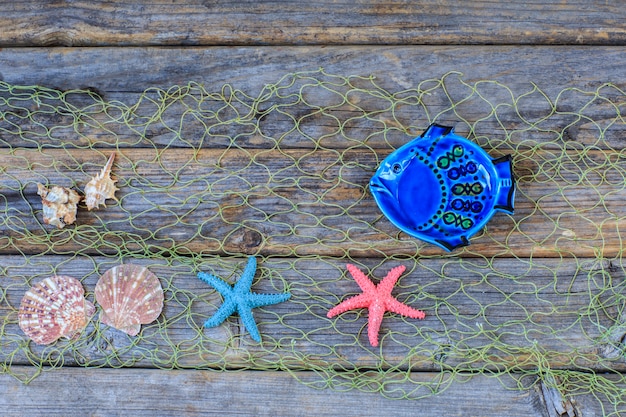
{"x": 209, "y": 176}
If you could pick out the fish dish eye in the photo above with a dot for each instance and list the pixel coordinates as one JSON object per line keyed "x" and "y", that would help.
{"x": 396, "y": 168}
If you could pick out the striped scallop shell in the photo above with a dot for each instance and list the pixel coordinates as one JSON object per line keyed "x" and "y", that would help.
{"x": 54, "y": 308}
{"x": 130, "y": 295}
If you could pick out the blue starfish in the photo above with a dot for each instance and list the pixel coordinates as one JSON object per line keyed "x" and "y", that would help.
{"x": 240, "y": 298}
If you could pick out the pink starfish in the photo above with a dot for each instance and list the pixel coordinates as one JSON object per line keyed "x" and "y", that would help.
{"x": 377, "y": 299}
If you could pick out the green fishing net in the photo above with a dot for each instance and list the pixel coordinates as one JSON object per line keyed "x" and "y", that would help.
{"x": 208, "y": 176}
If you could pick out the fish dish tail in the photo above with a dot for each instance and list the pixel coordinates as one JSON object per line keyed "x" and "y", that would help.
{"x": 506, "y": 184}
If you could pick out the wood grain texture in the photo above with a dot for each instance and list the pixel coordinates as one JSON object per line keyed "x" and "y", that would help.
{"x": 551, "y": 297}
{"x": 132, "y": 70}
{"x": 526, "y": 85}
{"x": 319, "y": 206}
{"x": 105, "y": 392}
{"x": 241, "y": 22}
{"x": 572, "y": 187}
{"x": 479, "y": 313}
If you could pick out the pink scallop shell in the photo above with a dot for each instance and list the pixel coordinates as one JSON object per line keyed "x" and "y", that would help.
{"x": 130, "y": 295}
{"x": 54, "y": 308}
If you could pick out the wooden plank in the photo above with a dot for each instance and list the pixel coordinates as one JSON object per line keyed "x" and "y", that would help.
{"x": 195, "y": 393}
{"x": 115, "y": 70}
{"x": 217, "y": 201}
{"x": 220, "y": 97}
{"x": 107, "y": 392}
{"x": 481, "y": 315}
{"x": 241, "y": 22}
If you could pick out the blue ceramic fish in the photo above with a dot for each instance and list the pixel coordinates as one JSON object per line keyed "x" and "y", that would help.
{"x": 442, "y": 188}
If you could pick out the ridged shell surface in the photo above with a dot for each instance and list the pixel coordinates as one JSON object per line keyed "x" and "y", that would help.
{"x": 59, "y": 205}
{"x": 54, "y": 308}
{"x": 130, "y": 295}
{"x": 101, "y": 187}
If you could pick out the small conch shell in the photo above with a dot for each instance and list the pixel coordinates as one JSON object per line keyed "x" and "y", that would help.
{"x": 59, "y": 205}
{"x": 54, "y": 308}
{"x": 101, "y": 187}
{"x": 130, "y": 295}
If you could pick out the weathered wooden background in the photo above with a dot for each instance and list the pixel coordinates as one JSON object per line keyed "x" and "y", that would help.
{"x": 120, "y": 49}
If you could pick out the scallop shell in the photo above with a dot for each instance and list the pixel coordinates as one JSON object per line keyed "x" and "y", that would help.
{"x": 130, "y": 295}
{"x": 101, "y": 187}
{"x": 59, "y": 205}
{"x": 54, "y": 308}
